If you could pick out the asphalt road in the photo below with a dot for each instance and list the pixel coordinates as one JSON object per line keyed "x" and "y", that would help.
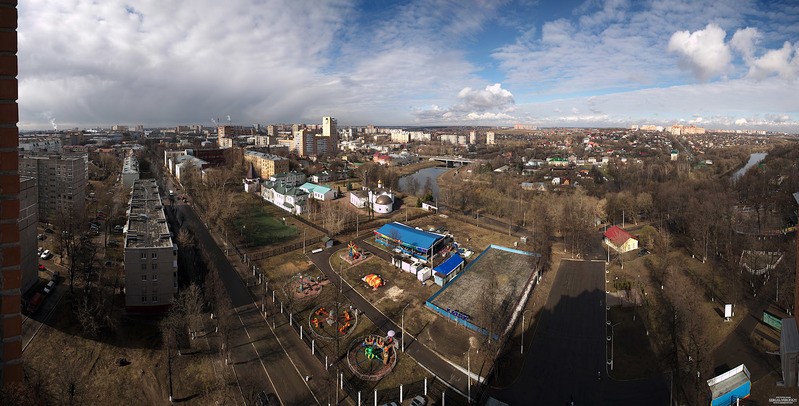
{"x": 566, "y": 359}
{"x": 257, "y": 355}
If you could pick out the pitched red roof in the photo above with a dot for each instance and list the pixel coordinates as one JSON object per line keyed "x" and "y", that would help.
{"x": 617, "y": 236}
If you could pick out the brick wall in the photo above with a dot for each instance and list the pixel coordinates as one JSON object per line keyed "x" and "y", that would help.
{"x": 10, "y": 276}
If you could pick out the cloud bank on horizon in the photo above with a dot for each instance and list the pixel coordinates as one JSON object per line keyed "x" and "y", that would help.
{"x": 418, "y": 62}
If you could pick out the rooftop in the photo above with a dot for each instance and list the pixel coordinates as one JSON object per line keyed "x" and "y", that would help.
{"x": 409, "y": 235}
{"x": 146, "y": 227}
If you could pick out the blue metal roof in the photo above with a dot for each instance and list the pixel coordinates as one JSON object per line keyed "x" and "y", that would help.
{"x": 409, "y": 235}
{"x": 446, "y": 267}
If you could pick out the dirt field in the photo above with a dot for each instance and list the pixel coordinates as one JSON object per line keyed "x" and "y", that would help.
{"x": 489, "y": 289}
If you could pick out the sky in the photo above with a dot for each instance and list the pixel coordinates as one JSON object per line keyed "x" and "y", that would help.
{"x": 718, "y": 64}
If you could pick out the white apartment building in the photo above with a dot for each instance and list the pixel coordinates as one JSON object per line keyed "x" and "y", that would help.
{"x": 151, "y": 256}
{"x": 130, "y": 171}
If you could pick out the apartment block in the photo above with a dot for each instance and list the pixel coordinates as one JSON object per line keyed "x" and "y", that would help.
{"x": 61, "y": 182}
{"x": 28, "y": 220}
{"x": 266, "y": 165}
{"x": 130, "y": 171}
{"x": 151, "y": 256}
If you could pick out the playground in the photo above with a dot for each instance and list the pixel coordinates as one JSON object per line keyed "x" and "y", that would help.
{"x": 484, "y": 295}
{"x": 305, "y": 286}
{"x": 354, "y": 254}
{"x": 372, "y": 357}
{"x": 333, "y": 320}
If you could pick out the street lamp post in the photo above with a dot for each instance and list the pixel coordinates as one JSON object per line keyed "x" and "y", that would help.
{"x": 402, "y": 327}
{"x": 523, "y": 314}
{"x": 241, "y": 231}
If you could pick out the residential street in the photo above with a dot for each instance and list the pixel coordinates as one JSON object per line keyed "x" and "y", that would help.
{"x": 259, "y": 353}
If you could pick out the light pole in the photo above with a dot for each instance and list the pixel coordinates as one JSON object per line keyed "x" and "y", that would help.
{"x": 241, "y": 231}
{"x": 524, "y": 313}
{"x": 403, "y": 327}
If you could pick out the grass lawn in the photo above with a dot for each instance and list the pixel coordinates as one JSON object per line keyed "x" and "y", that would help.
{"x": 259, "y": 226}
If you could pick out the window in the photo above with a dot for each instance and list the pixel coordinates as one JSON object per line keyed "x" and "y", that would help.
{"x": 144, "y": 278}
{"x": 155, "y": 298}
{"x": 143, "y": 267}
{"x": 144, "y": 298}
{"x": 143, "y": 255}
{"x": 155, "y": 255}
{"x": 155, "y": 266}
{"x": 155, "y": 277}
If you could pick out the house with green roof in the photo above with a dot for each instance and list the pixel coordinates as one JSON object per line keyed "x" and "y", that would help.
{"x": 318, "y": 192}
{"x": 289, "y": 198}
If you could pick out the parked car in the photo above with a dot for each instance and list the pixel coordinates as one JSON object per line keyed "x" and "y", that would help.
{"x": 46, "y": 254}
{"x": 418, "y": 401}
{"x": 643, "y": 252}
{"x": 41, "y": 249}
{"x": 49, "y": 287}
{"x": 48, "y": 230}
{"x": 33, "y": 304}
{"x": 118, "y": 228}
{"x": 41, "y": 237}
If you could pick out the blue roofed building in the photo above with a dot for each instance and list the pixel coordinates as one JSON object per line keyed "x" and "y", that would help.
{"x": 448, "y": 270}
{"x": 414, "y": 242}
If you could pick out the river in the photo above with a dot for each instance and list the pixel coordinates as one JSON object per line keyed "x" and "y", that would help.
{"x": 754, "y": 159}
{"x": 422, "y": 176}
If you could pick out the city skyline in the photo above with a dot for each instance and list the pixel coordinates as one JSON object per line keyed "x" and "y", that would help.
{"x": 593, "y": 63}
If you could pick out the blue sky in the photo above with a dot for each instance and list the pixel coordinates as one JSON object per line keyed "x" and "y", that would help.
{"x": 718, "y": 64}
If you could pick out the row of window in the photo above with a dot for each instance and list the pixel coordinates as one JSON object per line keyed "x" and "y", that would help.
{"x": 144, "y": 255}
{"x": 153, "y": 278}
{"x": 144, "y": 297}
{"x": 144, "y": 266}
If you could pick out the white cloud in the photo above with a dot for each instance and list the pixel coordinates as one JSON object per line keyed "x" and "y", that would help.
{"x": 703, "y": 51}
{"x": 783, "y": 62}
{"x": 744, "y": 41}
{"x": 493, "y": 97}
{"x": 489, "y": 104}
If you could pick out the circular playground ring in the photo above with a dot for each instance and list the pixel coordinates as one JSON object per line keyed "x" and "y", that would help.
{"x": 303, "y": 286}
{"x": 330, "y": 321}
{"x": 372, "y": 357}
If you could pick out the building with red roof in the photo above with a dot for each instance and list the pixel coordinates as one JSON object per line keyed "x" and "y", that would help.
{"x": 620, "y": 240}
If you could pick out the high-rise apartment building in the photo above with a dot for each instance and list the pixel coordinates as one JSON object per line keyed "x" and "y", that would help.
{"x": 151, "y": 256}
{"x": 11, "y": 325}
{"x": 330, "y": 133}
{"x": 61, "y": 182}
{"x": 28, "y": 220}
